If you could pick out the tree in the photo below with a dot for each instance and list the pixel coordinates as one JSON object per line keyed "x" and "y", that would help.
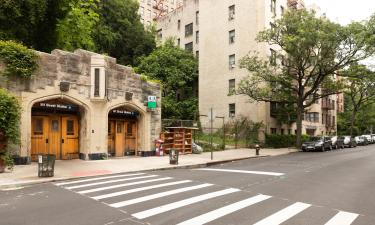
{"x": 177, "y": 70}
{"x": 360, "y": 90}
{"x": 75, "y": 30}
{"x": 32, "y": 22}
{"x": 120, "y": 33}
{"x": 311, "y": 50}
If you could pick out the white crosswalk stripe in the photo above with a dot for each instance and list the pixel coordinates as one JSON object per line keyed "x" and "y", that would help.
{"x": 109, "y": 181}
{"x": 215, "y": 214}
{"x": 114, "y": 194}
{"x": 342, "y": 218}
{"x": 97, "y": 178}
{"x": 158, "y": 195}
{"x": 284, "y": 214}
{"x": 122, "y": 185}
{"x": 185, "y": 202}
{"x": 242, "y": 171}
{"x": 149, "y": 195}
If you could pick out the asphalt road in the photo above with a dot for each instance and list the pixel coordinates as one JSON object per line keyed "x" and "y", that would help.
{"x": 305, "y": 188}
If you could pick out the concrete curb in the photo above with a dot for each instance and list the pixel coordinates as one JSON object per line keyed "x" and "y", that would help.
{"x": 192, "y": 166}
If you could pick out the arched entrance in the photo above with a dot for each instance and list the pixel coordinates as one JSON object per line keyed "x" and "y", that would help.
{"x": 55, "y": 126}
{"x": 123, "y": 123}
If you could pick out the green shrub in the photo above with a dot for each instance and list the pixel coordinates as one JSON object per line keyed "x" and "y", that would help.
{"x": 282, "y": 141}
{"x": 19, "y": 60}
{"x": 10, "y": 112}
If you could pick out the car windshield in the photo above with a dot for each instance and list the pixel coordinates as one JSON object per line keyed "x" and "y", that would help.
{"x": 316, "y": 139}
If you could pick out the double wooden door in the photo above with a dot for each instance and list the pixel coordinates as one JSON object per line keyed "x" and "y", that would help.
{"x": 122, "y": 137}
{"x": 55, "y": 134}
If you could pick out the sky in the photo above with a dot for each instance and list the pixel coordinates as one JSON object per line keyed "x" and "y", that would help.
{"x": 345, "y": 11}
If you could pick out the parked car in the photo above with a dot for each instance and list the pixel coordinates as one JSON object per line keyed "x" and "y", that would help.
{"x": 337, "y": 142}
{"x": 349, "y": 141}
{"x": 368, "y": 137}
{"x": 317, "y": 143}
{"x": 361, "y": 140}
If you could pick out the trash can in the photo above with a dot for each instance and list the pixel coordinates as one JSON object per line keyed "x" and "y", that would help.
{"x": 173, "y": 156}
{"x": 46, "y": 165}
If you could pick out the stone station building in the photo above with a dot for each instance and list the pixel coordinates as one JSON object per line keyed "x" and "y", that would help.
{"x": 84, "y": 105}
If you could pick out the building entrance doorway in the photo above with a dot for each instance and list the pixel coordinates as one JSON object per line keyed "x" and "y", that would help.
{"x": 55, "y": 130}
{"x": 122, "y": 132}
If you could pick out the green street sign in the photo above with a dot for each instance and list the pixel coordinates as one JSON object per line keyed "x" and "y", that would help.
{"x": 151, "y": 103}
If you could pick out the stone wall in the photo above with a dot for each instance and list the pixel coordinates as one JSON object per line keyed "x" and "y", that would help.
{"x": 75, "y": 68}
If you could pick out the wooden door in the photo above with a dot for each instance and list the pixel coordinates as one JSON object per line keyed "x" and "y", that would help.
{"x": 54, "y": 136}
{"x": 131, "y": 135}
{"x": 69, "y": 137}
{"x": 39, "y": 136}
{"x": 119, "y": 138}
{"x": 111, "y": 137}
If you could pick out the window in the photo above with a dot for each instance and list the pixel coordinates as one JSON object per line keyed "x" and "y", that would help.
{"x": 273, "y": 57}
{"x": 189, "y": 47}
{"x": 189, "y": 29}
{"x": 232, "y": 12}
{"x": 197, "y": 55}
{"x": 159, "y": 34}
{"x": 70, "y": 127}
{"x": 38, "y": 126}
{"x": 232, "y": 110}
{"x": 282, "y": 131}
{"x": 273, "y": 130}
{"x": 282, "y": 10}
{"x": 178, "y": 42}
{"x": 119, "y": 127}
{"x": 142, "y": 11}
{"x": 129, "y": 129}
{"x": 197, "y": 17}
{"x": 197, "y": 37}
{"x": 96, "y": 83}
{"x": 232, "y": 61}
{"x": 273, "y": 7}
{"x": 54, "y": 125}
{"x": 312, "y": 117}
{"x": 149, "y": 13}
{"x": 232, "y": 35}
{"x": 178, "y": 24}
{"x": 232, "y": 86}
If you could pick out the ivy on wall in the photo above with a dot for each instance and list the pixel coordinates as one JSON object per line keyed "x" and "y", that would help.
{"x": 19, "y": 60}
{"x": 10, "y": 112}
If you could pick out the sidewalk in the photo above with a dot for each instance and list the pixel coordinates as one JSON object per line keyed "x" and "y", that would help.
{"x": 69, "y": 169}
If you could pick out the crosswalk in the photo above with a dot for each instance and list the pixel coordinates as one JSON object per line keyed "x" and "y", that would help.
{"x": 157, "y": 199}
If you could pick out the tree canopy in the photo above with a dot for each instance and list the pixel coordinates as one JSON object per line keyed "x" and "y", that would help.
{"x": 177, "y": 70}
{"x": 110, "y": 27}
{"x": 307, "y": 52}
{"x": 360, "y": 92}
{"x": 120, "y": 32}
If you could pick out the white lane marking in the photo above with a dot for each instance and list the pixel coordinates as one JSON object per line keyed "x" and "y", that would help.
{"x": 185, "y": 202}
{"x": 342, "y": 218}
{"x": 122, "y": 185}
{"x": 243, "y": 171}
{"x": 158, "y": 195}
{"x": 215, "y": 214}
{"x": 284, "y": 214}
{"x": 139, "y": 189}
{"x": 98, "y": 178}
{"x": 109, "y": 182}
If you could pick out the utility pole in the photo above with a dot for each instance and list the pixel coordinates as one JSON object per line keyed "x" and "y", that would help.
{"x": 211, "y": 127}
{"x": 222, "y": 117}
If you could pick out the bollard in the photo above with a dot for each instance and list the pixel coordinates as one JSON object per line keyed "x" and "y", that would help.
{"x": 257, "y": 148}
